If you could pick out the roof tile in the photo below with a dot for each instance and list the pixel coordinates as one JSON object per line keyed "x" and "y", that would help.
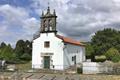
{"x": 70, "y": 41}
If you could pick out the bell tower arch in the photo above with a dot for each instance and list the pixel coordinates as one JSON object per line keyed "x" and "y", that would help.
{"x": 48, "y": 22}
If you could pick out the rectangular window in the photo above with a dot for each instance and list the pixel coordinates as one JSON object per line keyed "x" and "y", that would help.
{"x": 46, "y": 44}
{"x": 74, "y": 58}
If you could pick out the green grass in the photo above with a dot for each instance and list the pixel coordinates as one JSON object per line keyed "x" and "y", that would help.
{"x": 24, "y": 66}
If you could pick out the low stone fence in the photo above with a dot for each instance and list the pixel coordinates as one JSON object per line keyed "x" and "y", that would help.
{"x": 91, "y": 68}
{"x": 100, "y": 68}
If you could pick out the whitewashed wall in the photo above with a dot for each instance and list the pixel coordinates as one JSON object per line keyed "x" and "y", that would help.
{"x": 73, "y": 50}
{"x": 62, "y": 54}
{"x": 91, "y": 68}
{"x": 56, "y": 47}
{"x": 99, "y": 68}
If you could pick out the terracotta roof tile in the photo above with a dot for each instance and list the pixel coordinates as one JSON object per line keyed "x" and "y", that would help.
{"x": 70, "y": 41}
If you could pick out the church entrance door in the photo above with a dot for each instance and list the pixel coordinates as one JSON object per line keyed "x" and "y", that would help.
{"x": 47, "y": 62}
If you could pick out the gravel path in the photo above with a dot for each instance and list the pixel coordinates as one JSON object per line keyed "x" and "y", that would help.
{"x": 43, "y": 76}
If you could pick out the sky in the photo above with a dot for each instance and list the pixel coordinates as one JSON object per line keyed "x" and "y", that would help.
{"x": 78, "y": 19}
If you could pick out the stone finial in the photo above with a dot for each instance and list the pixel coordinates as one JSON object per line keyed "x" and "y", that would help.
{"x": 54, "y": 13}
{"x": 48, "y": 10}
{"x": 42, "y": 13}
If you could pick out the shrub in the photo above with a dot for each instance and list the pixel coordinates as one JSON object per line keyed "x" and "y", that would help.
{"x": 26, "y": 57}
{"x": 79, "y": 70}
{"x": 113, "y": 54}
{"x": 101, "y": 58}
{"x": 116, "y": 59}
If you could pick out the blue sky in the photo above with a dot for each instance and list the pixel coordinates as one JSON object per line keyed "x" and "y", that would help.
{"x": 79, "y": 19}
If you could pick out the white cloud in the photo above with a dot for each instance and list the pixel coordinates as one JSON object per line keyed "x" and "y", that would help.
{"x": 79, "y": 19}
{"x": 16, "y": 24}
{"x": 31, "y": 23}
{"x": 82, "y": 18}
{"x": 13, "y": 14}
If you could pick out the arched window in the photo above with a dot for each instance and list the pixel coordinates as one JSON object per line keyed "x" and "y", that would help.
{"x": 45, "y": 25}
{"x": 50, "y": 24}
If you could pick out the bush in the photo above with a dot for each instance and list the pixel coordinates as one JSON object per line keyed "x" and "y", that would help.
{"x": 113, "y": 54}
{"x": 26, "y": 57}
{"x": 101, "y": 58}
{"x": 116, "y": 59}
{"x": 79, "y": 70}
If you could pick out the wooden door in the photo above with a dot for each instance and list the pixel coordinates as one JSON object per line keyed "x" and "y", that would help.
{"x": 47, "y": 62}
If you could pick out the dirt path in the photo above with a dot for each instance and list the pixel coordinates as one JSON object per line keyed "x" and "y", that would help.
{"x": 44, "y": 76}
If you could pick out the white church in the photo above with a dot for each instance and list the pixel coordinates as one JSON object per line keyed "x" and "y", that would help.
{"x": 53, "y": 51}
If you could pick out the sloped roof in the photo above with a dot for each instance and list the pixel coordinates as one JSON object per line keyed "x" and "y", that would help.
{"x": 70, "y": 41}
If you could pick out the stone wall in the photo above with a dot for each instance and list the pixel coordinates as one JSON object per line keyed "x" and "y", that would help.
{"x": 101, "y": 68}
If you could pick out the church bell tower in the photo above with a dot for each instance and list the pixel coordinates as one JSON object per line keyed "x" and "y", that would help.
{"x": 48, "y": 22}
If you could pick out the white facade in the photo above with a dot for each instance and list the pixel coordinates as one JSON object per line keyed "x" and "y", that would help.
{"x": 60, "y": 53}
{"x": 71, "y": 51}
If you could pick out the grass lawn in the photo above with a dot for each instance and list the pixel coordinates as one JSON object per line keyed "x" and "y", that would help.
{"x": 24, "y": 66}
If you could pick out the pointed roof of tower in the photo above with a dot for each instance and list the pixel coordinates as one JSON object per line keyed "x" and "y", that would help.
{"x": 48, "y": 13}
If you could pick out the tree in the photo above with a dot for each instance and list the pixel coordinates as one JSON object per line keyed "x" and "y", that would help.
{"x": 26, "y": 57}
{"x": 89, "y": 51}
{"x": 2, "y": 45}
{"x": 19, "y": 49}
{"x": 28, "y": 47}
{"x": 7, "y": 53}
{"x": 104, "y": 40}
{"x": 23, "y": 50}
{"x": 113, "y": 54}
{"x": 27, "y": 51}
